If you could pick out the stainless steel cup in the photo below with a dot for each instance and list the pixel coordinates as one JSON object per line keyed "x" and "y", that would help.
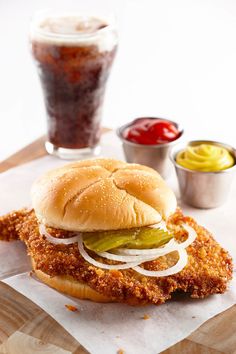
{"x": 203, "y": 189}
{"x": 155, "y": 156}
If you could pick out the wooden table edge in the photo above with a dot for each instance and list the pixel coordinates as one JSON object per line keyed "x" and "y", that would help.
{"x": 30, "y": 152}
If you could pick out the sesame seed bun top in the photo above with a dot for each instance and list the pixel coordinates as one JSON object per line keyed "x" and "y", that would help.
{"x": 101, "y": 194}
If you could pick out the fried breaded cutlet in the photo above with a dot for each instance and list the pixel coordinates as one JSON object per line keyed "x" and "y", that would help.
{"x": 208, "y": 270}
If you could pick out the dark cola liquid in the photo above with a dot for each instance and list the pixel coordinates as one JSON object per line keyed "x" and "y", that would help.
{"x": 73, "y": 80}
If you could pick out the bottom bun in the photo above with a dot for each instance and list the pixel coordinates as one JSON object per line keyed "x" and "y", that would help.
{"x": 70, "y": 286}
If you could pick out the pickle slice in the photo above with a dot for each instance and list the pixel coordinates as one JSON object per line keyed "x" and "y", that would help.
{"x": 144, "y": 237}
{"x": 107, "y": 240}
{"x": 149, "y": 238}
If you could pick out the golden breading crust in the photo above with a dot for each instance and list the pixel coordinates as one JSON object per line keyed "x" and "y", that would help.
{"x": 208, "y": 270}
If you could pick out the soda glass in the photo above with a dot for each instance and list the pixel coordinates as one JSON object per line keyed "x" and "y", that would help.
{"x": 74, "y": 54}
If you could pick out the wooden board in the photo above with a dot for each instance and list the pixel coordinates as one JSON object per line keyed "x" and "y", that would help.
{"x": 26, "y": 329}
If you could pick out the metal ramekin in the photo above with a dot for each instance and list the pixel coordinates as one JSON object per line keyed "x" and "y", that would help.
{"x": 204, "y": 190}
{"x": 155, "y": 156}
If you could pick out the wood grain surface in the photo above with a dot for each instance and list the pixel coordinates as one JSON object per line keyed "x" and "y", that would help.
{"x": 26, "y": 329}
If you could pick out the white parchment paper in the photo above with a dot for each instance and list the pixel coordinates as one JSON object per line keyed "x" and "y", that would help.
{"x": 105, "y": 328}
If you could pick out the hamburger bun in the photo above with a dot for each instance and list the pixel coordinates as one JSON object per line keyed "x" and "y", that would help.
{"x": 101, "y": 194}
{"x": 70, "y": 286}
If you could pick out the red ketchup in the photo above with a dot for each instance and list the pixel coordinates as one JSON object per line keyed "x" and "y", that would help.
{"x": 151, "y": 131}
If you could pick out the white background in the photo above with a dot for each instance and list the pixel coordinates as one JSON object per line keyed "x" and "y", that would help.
{"x": 176, "y": 59}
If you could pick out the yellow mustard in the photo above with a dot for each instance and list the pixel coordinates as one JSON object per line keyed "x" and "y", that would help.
{"x": 205, "y": 157}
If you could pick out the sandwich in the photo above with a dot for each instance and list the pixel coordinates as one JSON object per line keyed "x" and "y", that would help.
{"x": 110, "y": 231}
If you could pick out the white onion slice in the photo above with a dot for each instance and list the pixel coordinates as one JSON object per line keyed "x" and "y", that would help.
{"x": 160, "y": 225}
{"x": 127, "y": 259}
{"x": 152, "y": 251}
{"x": 132, "y": 258}
{"x": 191, "y": 237}
{"x": 92, "y": 261}
{"x": 55, "y": 240}
{"x": 183, "y": 259}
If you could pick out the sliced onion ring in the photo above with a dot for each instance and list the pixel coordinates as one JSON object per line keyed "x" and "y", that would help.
{"x": 183, "y": 260}
{"x": 191, "y": 237}
{"x": 161, "y": 251}
{"x": 127, "y": 259}
{"x": 159, "y": 225}
{"x": 55, "y": 240}
{"x": 132, "y": 257}
{"x": 92, "y": 261}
